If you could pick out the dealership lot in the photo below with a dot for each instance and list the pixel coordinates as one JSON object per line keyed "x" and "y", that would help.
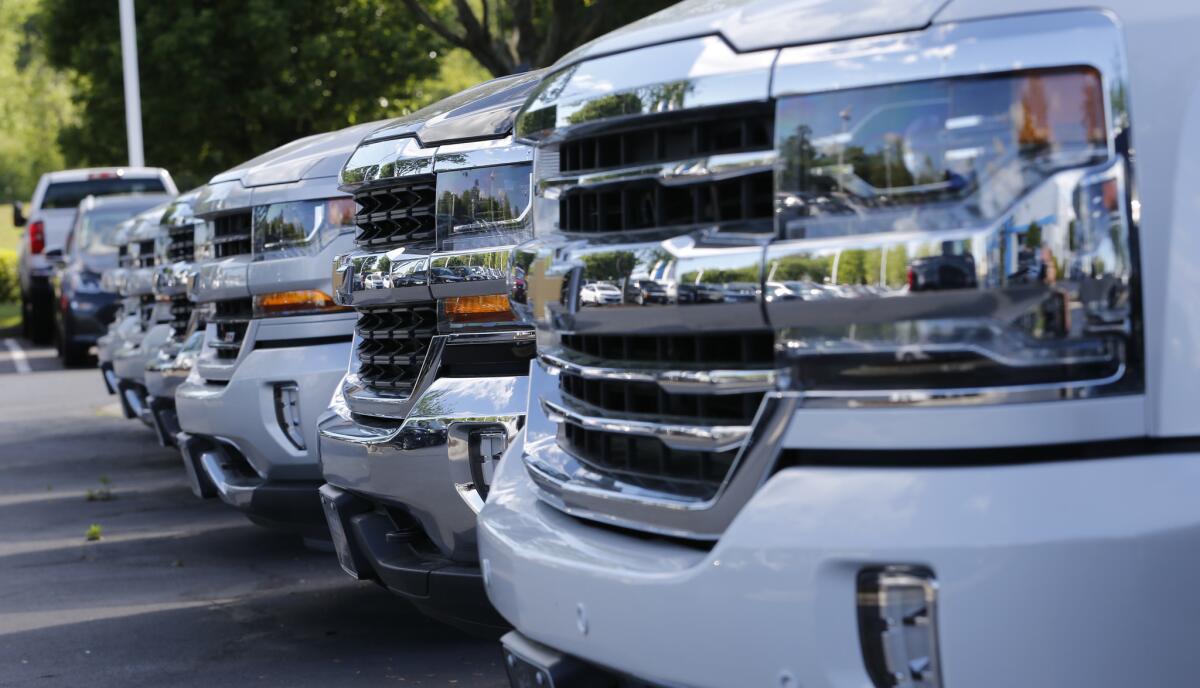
{"x": 176, "y": 591}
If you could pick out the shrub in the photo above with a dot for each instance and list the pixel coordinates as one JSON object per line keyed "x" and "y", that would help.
{"x": 9, "y": 284}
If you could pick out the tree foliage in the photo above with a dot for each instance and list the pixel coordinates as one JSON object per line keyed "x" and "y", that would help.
{"x": 34, "y": 103}
{"x": 508, "y": 36}
{"x": 222, "y": 82}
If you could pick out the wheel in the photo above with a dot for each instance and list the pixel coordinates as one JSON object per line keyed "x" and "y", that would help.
{"x": 37, "y": 321}
{"x": 73, "y": 354}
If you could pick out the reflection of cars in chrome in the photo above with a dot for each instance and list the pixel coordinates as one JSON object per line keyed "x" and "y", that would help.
{"x": 437, "y": 382}
{"x": 643, "y": 291}
{"x": 599, "y": 293}
{"x": 700, "y": 293}
{"x": 802, "y": 290}
{"x": 936, "y": 273}
{"x": 889, "y": 464}
{"x": 741, "y": 291}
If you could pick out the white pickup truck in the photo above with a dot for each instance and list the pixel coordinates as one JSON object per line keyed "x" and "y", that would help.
{"x": 968, "y": 458}
{"x": 51, "y": 213}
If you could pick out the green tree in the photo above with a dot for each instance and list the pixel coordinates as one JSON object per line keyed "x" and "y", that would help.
{"x": 35, "y": 102}
{"x": 515, "y": 35}
{"x": 222, "y": 82}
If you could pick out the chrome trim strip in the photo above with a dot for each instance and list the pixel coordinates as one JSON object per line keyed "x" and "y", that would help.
{"x": 681, "y": 75}
{"x": 617, "y": 503}
{"x": 677, "y": 173}
{"x": 361, "y": 399}
{"x": 395, "y": 278}
{"x": 378, "y": 161}
{"x": 710, "y": 438}
{"x": 677, "y": 381}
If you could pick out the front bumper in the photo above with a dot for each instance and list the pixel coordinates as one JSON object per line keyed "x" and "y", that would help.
{"x": 1033, "y": 563}
{"x": 240, "y": 422}
{"x": 428, "y": 469}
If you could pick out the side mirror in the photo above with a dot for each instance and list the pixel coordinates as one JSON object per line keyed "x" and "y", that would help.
{"x": 19, "y": 218}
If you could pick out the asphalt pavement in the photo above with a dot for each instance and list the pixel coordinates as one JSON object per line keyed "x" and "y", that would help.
{"x": 177, "y": 591}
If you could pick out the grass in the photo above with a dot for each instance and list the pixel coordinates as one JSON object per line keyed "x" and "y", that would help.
{"x": 9, "y": 235}
{"x": 94, "y": 532}
{"x": 10, "y": 316}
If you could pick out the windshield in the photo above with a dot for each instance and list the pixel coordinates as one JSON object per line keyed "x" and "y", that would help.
{"x": 93, "y": 233}
{"x": 69, "y": 194}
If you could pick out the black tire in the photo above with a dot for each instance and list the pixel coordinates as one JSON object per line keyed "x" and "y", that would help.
{"x": 39, "y": 321}
{"x": 72, "y": 354}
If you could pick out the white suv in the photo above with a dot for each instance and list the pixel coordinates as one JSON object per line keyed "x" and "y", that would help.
{"x": 971, "y": 461}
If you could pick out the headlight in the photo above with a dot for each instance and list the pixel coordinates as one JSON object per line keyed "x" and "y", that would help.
{"x": 303, "y": 302}
{"x": 300, "y": 227}
{"x": 969, "y": 236}
{"x": 483, "y": 206}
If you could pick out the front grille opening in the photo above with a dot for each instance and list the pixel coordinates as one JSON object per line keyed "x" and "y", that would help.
{"x": 393, "y": 215}
{"x": 742, "y": 204}
{"x": 231, "y": 318}
{"x": 486, "y": 360}
{"x": 648, "y": 463}
{"x": 231, "y": 235}
{"x": 393, "y": 343}
{"x": 738, "y": 350}
{"x": 664, "y": 138}
{"x": 181, "y": 312}
{"x": 181, "y": 243}
{"x": 646, "y": 399}
{"x": 145, "y": 257}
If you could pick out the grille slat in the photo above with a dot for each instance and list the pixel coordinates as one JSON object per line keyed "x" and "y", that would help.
{"x": 145, "y": 257}
{"x": 181, "y": 243}
{"x": 394, "y": 215}
{"x": 231, "y": 235}
{"x": 181, "y": 312}
{"x": 646, "y": 461}
{"x": 232, "y": 318}
{"x": 393, "y": 343}
{"x": 742, "y": 203}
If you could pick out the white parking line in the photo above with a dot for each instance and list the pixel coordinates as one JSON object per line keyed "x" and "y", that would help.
{"x": 20, "y": 362}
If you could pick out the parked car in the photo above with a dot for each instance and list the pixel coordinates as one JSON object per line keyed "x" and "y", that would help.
{"x": 884, "y": 486}
{"x": 599, "y": 294}
{"x": 113, "y": 280}
{"x": 170, "y": 348}
{"x": 436, "y": 384}
{"x": 643, "y": 291}
{"x": 275, "y": 343}
{"x": 50, "y": 214}
{"x": 135, "y": 340}
{"x": 84, "y": 309}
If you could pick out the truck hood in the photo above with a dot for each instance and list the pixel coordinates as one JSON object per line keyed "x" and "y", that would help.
{"x": 749, "y": 25}
{"x": 483, "y": 111}
{"x": 320, "y": 155}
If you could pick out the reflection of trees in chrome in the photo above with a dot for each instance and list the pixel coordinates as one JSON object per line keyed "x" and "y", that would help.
{"x": 609, "y": 266}
{"x": 669, "y": 96}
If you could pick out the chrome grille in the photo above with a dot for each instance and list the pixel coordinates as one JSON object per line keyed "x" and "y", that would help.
{"x": 399, "y": 214}
{"x": 145, "y": 257}
{"x": 181, "y": 312}
{"x": 231, "y": 318}
{"x": 181, "y": 243}
{"x": 231, "y": 235}
{"x": 393, "y": 343}
{"x": 631, "y": 192}
{"x": 605, "y": 377}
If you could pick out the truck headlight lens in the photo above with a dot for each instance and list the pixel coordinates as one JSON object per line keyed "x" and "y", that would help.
{"x": 303, "y": 302}
{"x": 483, "y": 206}
{"x": 969, "y": 236}
{"x": 300, "y": 227}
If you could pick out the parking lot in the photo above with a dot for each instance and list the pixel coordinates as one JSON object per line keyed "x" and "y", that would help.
{"x": 176, "y": 591}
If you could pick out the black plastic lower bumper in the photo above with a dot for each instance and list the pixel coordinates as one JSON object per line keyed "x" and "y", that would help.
{"x": 166, "y": 421}
{"x": 370, "y": 547}
{"x": 217, "y": 470}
